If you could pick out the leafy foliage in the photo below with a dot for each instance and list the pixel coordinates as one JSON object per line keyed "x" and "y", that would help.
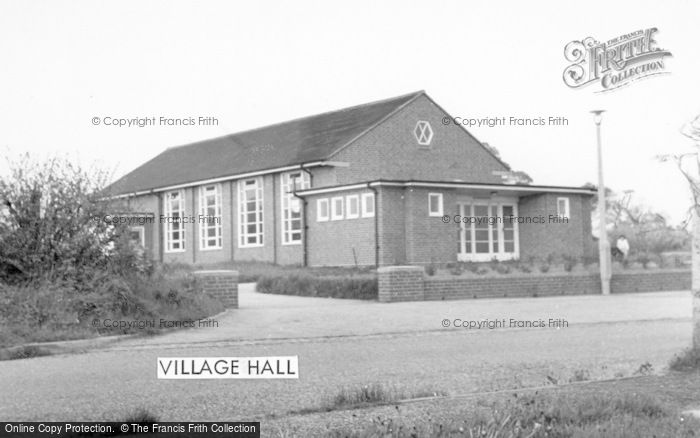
{"x": 52, "y": 225}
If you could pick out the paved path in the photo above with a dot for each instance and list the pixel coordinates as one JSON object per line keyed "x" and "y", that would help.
{"x": 269, "y": 317}
{"x": 346, "y": 343}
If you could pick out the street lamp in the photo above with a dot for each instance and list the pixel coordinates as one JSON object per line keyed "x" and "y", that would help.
{"x": 603, "y": 244}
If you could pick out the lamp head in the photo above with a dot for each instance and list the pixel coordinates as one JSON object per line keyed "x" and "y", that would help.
{"x": 597, "y": 116}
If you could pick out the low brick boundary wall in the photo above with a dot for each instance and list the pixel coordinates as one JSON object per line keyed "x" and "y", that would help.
{"x": 409, "y": 283}
{"x": 650, "y": 281}
{"x": 222, "y": 285}
{"x": 401, "y": 283}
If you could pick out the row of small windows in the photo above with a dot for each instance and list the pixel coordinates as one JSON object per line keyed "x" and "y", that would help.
{"x": 250, "y": 214}
{"x": 348, "y": 207}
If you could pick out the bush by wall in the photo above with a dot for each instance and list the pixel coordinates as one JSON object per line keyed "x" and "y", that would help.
{"x": 360, "y": 287}
{"x": 49, "y": 312}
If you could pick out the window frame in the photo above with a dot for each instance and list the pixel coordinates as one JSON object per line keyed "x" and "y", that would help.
{"x": 567, "y": 208}
{"x": 335, "y": 216}
{"x": 426, "y": 130}
{"x": 441, "y": 208}
{"x": 497, "y": 230}
{"x": 348, "y": 200}
{"x": 169, "y": 228}
{"x": 363, "y": 207}
{"x": 243, "y": 212}
{"x": 142, "y": 234}
{"x": 327, "y": 216}
{"x": 287, "y": 187}
{"x": 204, "y": 227}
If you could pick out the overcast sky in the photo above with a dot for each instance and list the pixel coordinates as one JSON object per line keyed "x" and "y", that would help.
{"x": 255, "y": 63}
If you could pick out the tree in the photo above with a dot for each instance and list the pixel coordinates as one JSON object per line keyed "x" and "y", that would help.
{"x": 512, "y": 176}
{"x": 689, "y": 166}
{"x": 52, "y": 225}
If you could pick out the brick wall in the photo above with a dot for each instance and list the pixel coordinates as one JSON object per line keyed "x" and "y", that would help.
{"x": 342, "y": 242}
{"x": 404, "y": 283}
{"x": 672, "y": 279}
{"x": 391, "y": 151}
{"x": 400, "y": 283}
{"x": 540, "y": 240}
{"x": 222, "y": 285}
{"x": 428, "y": 238}
{"x": 392, "y": 227}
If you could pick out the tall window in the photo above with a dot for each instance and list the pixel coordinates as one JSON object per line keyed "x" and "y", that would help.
{"x": 250, "y": 212}
{"x": 210, "y": 217}
{"x": 563, "y": 207}
{"x": 291, "y": 205}
{"x": 174, "y": 227}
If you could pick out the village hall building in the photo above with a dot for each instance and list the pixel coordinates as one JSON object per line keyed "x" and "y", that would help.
{"x": 384, "y": 183}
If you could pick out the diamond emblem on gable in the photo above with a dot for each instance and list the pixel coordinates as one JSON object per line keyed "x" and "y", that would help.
{"x": 423, "y": 133}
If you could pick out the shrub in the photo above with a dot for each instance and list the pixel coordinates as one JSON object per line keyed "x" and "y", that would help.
{"x": 570, "y": 263}
{"x": 503, "y": 268}
{"x": 472, "y": 267}
{"x": 430, "y": 270}
{"x": 353, "y": 287}
{"x": 457, "y": 269}
{"x": 689, "y": 360}
{"x": 482, "y": 270}
{"x": 544, "y": 268}
{"x": 52, "y": 225}
{"x": 525, "y": 268}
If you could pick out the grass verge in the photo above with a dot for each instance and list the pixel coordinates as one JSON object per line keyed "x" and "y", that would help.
{"x": 543, "y": 415}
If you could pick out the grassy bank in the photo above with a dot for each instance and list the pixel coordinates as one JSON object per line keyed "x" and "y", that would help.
{"x": 111, "y": 306}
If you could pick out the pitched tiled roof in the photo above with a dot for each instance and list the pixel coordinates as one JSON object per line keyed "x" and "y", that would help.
{"x": 304, "y": 140}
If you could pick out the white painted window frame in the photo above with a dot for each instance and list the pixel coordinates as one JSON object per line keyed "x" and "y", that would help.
{"x": 335, "y": 214}
{"x": 426, "y": 131}
{"x": 319, "y": 216}
{"x": 169, "y": 226}
{"x": 441, "y": 209}
{"x": 348, "y": 210}
{"x": 466, "y": 208}
{"x": 204, "y": 226}
{"x": 365, "y": 212}
{"x": 287, "y": 198}
{"x": 259, "y": 222}
{"x": 142, "y": 234}
{"x": 567, "y": 211}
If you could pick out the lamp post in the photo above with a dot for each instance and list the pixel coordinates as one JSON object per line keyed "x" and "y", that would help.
{"x": 603, "y": 244}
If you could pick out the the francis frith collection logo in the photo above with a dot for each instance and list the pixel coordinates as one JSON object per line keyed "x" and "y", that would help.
{"x": 616, "y": 62}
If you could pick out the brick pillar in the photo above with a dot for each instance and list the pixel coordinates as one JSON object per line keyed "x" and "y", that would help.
{"x": 222, "y": 285}
{"x": 401, "y": 283}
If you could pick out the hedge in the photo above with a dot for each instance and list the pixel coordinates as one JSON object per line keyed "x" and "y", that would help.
{"x": 362, "y": 287}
